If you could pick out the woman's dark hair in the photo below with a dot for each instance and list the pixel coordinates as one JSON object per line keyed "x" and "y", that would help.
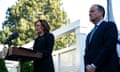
{"x": 45, "y": 24}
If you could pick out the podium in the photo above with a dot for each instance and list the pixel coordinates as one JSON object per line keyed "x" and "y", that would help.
{"x": 19, "y": 54}
{"x": 22, "y": 54}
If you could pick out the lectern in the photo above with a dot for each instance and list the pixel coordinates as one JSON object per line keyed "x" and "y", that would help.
{"x": 19, "y": 54}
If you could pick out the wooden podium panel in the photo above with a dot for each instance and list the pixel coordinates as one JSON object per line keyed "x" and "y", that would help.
{"x": 22, "y": 54}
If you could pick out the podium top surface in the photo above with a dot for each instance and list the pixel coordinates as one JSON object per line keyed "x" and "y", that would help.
{"x": 22, "y": 54}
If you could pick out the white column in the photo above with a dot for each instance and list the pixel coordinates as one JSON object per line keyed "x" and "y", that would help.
{"x": 80, "y": 45}
{"x": 19, "y": 67}
{"x": 58, "y": 63}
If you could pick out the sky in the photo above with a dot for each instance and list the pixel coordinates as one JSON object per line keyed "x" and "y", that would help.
{"x": 4, "y": 4}
{"x": 76, "y": 9}
{"x": 79, "y": 9}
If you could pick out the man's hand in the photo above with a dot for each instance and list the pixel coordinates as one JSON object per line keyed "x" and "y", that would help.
{"x": 90, "y": 68}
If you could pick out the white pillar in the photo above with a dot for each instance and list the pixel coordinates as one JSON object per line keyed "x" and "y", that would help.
{"x": 80, "y": 45}
{"x": 58, "y": 63}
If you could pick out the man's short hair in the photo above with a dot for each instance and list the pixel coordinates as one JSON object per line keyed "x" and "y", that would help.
{"x": 101, "y": 9}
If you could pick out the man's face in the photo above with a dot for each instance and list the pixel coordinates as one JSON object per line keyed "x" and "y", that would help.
{"x": 94, "y": 14}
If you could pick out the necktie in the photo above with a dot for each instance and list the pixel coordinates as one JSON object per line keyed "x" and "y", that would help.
{"x": 92, "y": 33}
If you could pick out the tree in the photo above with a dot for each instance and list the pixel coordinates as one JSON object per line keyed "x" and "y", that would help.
{"x": 21, "y": 18}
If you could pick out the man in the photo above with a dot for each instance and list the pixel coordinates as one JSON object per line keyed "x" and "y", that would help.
{"x": 100, "y": 53}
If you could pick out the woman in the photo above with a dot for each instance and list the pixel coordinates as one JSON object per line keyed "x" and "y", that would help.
{"x": 44, "y": 46}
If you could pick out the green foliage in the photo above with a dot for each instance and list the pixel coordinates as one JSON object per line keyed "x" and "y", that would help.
{"x": 21, "y": 18}
{"x": 2, "y": 66}
{"x": 27, "y": 66}
{"x": 66, "y": 41}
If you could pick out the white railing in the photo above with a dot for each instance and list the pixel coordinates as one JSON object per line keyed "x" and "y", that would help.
{"x": 70, "y": 59}
{"x": 64, "y": 59}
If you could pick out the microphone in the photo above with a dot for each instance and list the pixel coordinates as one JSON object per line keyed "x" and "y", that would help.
{"x": 13, "y": 36}
{"x": 10, "y": 38}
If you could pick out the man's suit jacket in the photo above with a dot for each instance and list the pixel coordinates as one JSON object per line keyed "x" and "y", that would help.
{"x": 101, "y": 51}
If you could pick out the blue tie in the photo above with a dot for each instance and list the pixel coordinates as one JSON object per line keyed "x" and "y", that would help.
{"x": 92, "y": 33}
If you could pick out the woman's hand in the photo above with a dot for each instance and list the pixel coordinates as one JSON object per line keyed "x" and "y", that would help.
{"x": 40, "y": 54}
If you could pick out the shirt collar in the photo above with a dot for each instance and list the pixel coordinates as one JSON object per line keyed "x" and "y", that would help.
{"x": 99, "y": 22}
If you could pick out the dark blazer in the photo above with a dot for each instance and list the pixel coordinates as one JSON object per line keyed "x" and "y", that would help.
{"x": 44, "y": 44}
{"x": 101, "y": 51}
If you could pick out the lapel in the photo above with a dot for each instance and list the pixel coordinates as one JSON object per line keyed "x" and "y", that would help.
{"x": 95, "y": 33}
{"x": 87, "y": 39}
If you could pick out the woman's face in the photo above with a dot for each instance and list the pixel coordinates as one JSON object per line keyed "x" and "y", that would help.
{"x": 39, "y": 28}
